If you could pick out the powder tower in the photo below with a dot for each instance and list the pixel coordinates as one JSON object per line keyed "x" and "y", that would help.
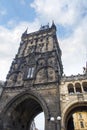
{"x": 35, "y": 83}
{"x": 32, "y": 84}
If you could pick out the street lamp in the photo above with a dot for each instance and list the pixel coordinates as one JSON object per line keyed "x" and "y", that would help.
{"x": 59, "y": 118}
{"x": 52, "y": 119}
{"x": 56, "y": 122}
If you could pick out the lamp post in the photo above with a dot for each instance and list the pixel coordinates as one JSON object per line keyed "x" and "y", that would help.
{"x": 56, "y": 121}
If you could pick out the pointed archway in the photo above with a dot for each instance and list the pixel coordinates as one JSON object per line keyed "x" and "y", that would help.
{"x": 21, "y": 110}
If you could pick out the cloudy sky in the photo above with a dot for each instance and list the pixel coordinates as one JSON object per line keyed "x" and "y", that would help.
{"x": 69, "y": 16}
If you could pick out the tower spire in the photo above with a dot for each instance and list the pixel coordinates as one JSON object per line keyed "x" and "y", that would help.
{"x": 53, "y": 25}
{"x": 85, "y": 68}
{"x": 86, "y": 61}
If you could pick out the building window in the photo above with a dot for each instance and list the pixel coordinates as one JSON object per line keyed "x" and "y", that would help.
{"x": 78, "y": 88}
{"x": 70, "y": 88}
{"x": 81, "y": 124}
{"x": 80, "y": 115}
{"x": 30, "y": 72}
{"x": 85, "y": 86}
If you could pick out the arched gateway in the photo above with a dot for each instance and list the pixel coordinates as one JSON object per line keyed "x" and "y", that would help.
{"x": 21, "y": 110}
{"x": 35, "y": 84}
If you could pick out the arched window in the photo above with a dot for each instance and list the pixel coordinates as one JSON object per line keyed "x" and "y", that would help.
{"x": 84, "y": 84}
{"x": 78, "y": 88}
{"x": 30, "y": 72}
{"x": 70, "y": 88}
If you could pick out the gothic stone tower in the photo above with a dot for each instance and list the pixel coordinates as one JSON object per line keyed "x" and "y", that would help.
{"x": 32, "y": 84}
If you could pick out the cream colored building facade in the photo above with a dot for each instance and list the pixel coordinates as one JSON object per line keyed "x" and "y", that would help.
{"x": 73, "y": 100}
{"x": 80, "y": 120}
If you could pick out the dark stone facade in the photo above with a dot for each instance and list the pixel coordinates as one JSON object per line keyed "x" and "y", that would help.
{"x": 35, "y": 84}
{"x": 32, "y": 84}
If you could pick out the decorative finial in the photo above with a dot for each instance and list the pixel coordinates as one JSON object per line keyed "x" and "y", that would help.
{"x": 25, "y": 31}
{"x": 53, "y": 25}
{"x": 44, "y": 27}
{"x": 53, "y": 22}
{"x": 85, "y": 69}
{"x": 24, "y": 34}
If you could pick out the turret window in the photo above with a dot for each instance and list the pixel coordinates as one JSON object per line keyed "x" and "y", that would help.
{"x": 85, "y": 86}
{"x": 78, "y": 88}
{"x": 70, "y": 88}
{"x": 30, "y": 72}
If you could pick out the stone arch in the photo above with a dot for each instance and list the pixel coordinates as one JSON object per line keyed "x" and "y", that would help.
{"x": 38, "y": 104}
{"x": 51, "y": 60}
{"x": 45, "y": 75}
{"x": 16, "y": 100}
{"x": 84, "y": 85}
{"x": 71, "y": 108}
{"x": 70, "y": 88}
{"x": 41, "y": 62}
{"x": 78, "y": 87}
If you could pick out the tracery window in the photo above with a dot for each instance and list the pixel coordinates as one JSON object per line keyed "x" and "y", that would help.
{"x": 30, "y": 73}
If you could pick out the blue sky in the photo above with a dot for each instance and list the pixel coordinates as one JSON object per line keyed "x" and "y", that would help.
{"x": 70, "y": 18}
{"x": 16, "y": 10}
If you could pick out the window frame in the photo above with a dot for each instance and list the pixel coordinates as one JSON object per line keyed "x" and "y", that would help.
{"x": 30, "y": 73}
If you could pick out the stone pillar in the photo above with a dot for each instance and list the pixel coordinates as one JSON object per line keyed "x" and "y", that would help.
{"x": 54, "y": 123}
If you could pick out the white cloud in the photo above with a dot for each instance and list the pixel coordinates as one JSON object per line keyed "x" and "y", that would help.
{"x": 9, "y": 43}
{"x": 63, "y": 12}
{"x": 74, "y": 49}
{"x": 71, "y": 14}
